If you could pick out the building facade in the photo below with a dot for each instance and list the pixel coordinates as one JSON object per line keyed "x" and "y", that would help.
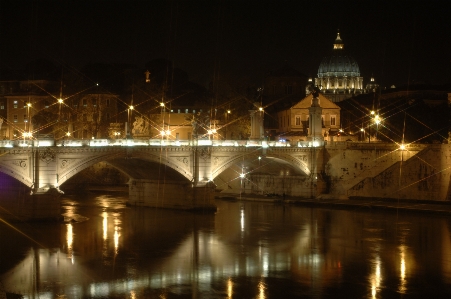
{"x": 294, "y": 121}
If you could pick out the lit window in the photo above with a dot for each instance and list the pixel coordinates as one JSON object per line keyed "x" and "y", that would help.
{"x": 15, "y": 118}
{"x": 15, "y": 104}
{"x": 2, "y": 105}
{"x": 333, "y": 120}
{"x": 178, "y": 110}
{"x": 298, "y": 120}
{"x": 186, "y": 110}
{"x": 94, "y": 102}
{"x": 25, "y": 118}
{"x": 85, "y": 103}
{"x": 194, "y": 111}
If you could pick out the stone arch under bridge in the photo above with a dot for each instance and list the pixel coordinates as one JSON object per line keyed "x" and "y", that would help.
{"x": 177, "y": 158}
{"x": 223, "y": 158}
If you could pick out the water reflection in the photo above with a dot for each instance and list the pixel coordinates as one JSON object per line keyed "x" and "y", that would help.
{"x": 246, "y": 250}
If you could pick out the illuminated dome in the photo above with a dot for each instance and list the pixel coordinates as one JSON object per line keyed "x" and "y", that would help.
{"x": 339, "y": 74}
{"x": 338, "y": 64}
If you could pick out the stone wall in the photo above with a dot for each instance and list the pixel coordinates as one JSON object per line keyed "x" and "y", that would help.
{"x": 425, "y": 176}
{"x": 171, "y": 194}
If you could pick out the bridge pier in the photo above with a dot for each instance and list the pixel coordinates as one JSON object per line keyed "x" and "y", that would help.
{"x": 171, "y": 194}
{"x": 18, "y": 203}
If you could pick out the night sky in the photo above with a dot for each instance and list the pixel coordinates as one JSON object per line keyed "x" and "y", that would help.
{"x": 408, "y": 40}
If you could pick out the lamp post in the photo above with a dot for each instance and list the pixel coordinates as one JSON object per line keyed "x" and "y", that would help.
{"x": 227, "y": 123}
{"x": 28, "y": 118}
{"x": 129, "y": 115}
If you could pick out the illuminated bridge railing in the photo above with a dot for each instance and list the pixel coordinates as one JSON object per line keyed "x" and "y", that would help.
{"x": 154, "y": 142}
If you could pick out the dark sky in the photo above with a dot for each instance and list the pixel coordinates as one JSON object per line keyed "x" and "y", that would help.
{"x": 241, "y": 39}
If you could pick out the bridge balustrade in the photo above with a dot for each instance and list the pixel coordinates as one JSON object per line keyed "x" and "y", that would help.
{"x": 153, "y": 142}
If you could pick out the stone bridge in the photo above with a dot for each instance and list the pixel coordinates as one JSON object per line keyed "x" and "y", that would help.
{"x": 334, "y": 169}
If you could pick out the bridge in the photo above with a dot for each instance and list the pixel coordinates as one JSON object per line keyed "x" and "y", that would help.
{"x": 338, "y": 169}
{"x": 43, "y": 165}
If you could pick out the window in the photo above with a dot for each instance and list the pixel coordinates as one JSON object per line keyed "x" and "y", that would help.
{"x": 178, "y": 111}
{"x": 2, "y": 105}
{"x": 177, "y": 135}
{"x": 75, "y": 105}
{"x": 15, "y": 118}
{"x": 298, "y": 120}
{"x": 85, "y": 103}
{"x": 25, "y": 118}
{"x": 15, "y": 104}
{"x": 333, "y": 120}
{"x": 46, "y": 104}
{"x": 94, "y": 102}
{"x": 322, "y": 120}
{"x": 107, "y": 102}
{"x": 186, "y": 110}
{"x": 194, "y": 111}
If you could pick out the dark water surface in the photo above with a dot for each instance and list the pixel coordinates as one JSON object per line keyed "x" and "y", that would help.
{"x": 245, "y": 250}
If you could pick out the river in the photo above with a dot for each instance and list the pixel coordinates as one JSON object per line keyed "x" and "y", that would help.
{"x": 105, "y": 249}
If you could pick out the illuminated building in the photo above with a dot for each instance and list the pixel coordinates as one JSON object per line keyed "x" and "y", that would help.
{"x": 294, "y": 121}
{"x": 339, "y": 74}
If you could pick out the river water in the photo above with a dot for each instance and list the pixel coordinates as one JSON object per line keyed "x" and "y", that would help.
{"x": 245, "y": 250}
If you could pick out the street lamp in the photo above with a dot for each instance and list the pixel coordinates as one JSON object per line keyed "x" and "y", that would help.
{"x": 129, "y": 114}
{"x": 227, "y": 123}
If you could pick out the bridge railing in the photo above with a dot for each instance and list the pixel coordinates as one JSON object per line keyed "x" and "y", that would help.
{"x": 153, "y": 142}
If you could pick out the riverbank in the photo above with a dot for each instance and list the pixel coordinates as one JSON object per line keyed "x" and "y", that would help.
{"x": 367, "y": 204}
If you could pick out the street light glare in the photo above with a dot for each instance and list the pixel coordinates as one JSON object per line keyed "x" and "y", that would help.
{"x": 131, "y": 107}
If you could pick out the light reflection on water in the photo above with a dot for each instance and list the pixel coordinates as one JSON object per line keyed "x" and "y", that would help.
{"x": 245, "y": 250}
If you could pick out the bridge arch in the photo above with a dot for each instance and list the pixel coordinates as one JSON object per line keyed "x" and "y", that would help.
{"x": 17, "y": 175}
{"x": 299, "y": 160}
{"x": 70, "y": 165}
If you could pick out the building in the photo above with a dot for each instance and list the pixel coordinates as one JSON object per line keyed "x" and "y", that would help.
{"x": 294, "y": 121}
{"x": 339, "y": 74}
{"x": 282, "y": 89}
{"x": 20, "y": 101}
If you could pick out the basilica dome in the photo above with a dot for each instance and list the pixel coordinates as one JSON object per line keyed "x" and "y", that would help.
{"x": 339, "y": 65}
{"x": 339, "y": 74}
